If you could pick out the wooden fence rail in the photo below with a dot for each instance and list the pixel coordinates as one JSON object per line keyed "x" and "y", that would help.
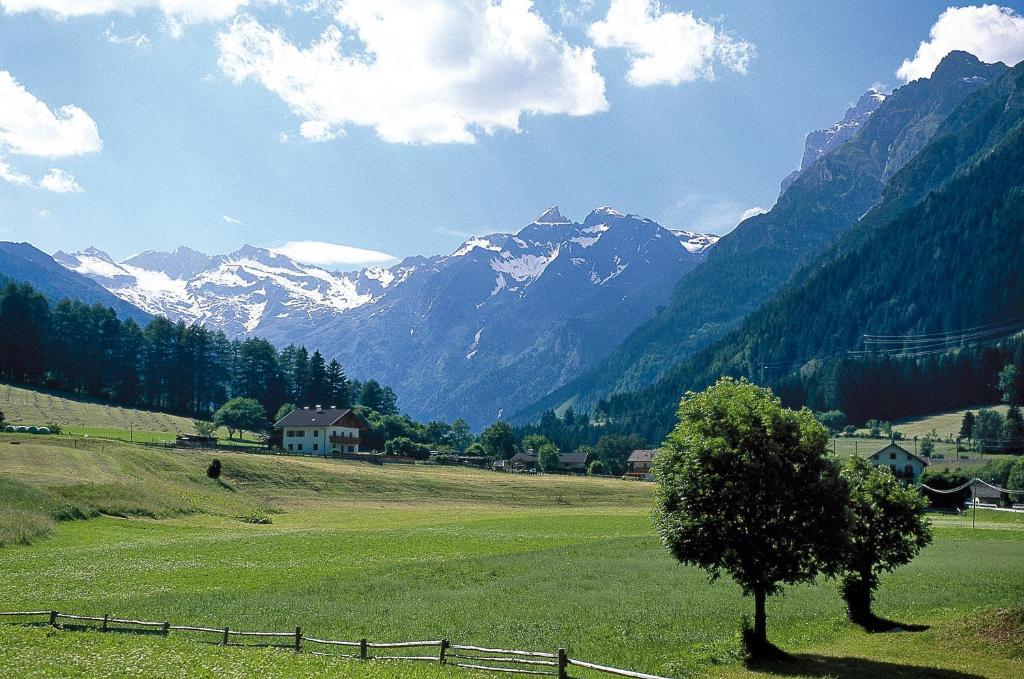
{"x": 536, "y": 663}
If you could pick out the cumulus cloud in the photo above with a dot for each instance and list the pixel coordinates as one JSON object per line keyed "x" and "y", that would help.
{"x": 752, "y": 212}
{"x": 44, "y": 214}
{"x": 419, "y": 71}
{"x": 231, "y": 220}
{"x": 59, "y": 181}
{"x": 989, "y": 32}
{"x": 330, "y": 254}
{"x": 12, "y": 176}
{"x": 28, "y": 126}
{"x": 668, "y": 47}
{"x": 186, "y": 11}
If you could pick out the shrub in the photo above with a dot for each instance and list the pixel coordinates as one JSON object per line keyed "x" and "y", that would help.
{"x": 406, "y": 447}
{"x": 213, "y": 471}
{"x": 54, "y": 428}
{"x": 257, "y": 517}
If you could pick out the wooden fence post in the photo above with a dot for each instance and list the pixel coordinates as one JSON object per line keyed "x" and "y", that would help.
{"x": 563, "y": 662}
{"x": 167, "y": 628}
{"x": 444, "y": 650}
{"x": 53, "y": 618}
{"x": 226, "y": 636}
{"x": 106, "y": 617}
{"x": 298, "y": 638}
{"x": 362, "y": 649}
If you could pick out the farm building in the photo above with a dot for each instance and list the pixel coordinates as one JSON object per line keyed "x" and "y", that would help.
{"x": 320, "y": 431}
{"x": 639, "y": 465}
{"x": 904, "y": 464}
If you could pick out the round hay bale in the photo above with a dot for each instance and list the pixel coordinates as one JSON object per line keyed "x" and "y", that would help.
{"x": 10, "y": 429}
{"x": 43, "y": 430}
{"x": 33, "y": 429}
{"x": 22, "y": 430}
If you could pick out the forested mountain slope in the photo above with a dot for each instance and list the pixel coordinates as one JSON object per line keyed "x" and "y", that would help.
{"x": 759, "y": 256}
{"x": 951, "y": 261}
{"x": 23, "y": 263}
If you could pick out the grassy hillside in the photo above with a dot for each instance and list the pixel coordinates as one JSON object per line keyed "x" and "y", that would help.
{"x": 944, "y": 424}
{"x": 403, "y": 552}
{"x": 88, "y": 417}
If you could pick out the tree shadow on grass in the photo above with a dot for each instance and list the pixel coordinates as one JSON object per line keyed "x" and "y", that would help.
{"x": 881, "y": 625}
{"x": 807, "y": 665}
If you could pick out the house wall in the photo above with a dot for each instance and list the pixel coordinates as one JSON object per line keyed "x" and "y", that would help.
{"x": 316, "y": 440}
{"x": 898, "y": 461}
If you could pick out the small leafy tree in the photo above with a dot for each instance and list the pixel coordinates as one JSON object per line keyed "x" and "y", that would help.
{"x": 1010, "y": 385}
{"x": 596, "y": 468}
{"x": 213, "y": 471}
{"x": 535, "y": 442}
{"x": 547, "y": 457}
{"x": 988, "y": 428}
{"x": 745, "y": 487}
{"x": 834, "y": 420}
{"x": 874, "y": 428}
{"x": 460, "y": 434}
{"x": 204, "y": 428}
{"x": 284, "y": 411}
{"x": 406, "y": 447}
{"x": 967, "y": 426}
{"x": 239, "y": 415}
{"x": 927, "y": 446}
{"x": 476, "y": 450}
{"x": 887, "y": 529}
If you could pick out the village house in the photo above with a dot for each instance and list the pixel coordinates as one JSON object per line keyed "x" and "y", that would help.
{"x": 320, "y": 431}
{"x": 568, "y": 463}
{"x": 640, "y": 464}
{"x": 573, "y": 463}
{"x": 905, "y": 466}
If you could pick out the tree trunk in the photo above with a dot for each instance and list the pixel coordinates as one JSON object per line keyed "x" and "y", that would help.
{"x": 760, "y": 619}
{"x": 857, "y": 592}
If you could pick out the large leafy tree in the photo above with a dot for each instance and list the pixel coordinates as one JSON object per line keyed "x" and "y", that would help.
{"x": 241, "y": 414}
{"x": 745, "y": 488}
{"x": 547, "y": 457}
{"x": 887, "y": 529}
{"x": 499, "y": 441}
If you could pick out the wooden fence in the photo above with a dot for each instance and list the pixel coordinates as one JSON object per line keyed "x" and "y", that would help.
{"x": 459, "y": 655}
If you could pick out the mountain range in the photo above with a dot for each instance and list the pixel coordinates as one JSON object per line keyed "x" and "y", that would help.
{"x": 752, "y": 262}
{"x": 485, "y": 329}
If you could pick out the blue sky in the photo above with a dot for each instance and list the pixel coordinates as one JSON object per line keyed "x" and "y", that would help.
{"x": 402, "y": 126}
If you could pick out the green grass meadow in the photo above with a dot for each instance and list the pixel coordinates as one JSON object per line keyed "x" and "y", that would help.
{"x": 397, "y": 553}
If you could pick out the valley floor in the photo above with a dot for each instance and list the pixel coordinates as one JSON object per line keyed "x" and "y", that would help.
{"x": 399, "y": 553}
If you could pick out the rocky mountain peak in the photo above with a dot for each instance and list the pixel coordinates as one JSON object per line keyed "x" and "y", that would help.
{"x": 551, "y": 216}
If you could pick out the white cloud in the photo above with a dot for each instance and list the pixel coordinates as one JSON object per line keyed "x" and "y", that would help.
{"x": 752, "y": 212}
{"x": 59, "y": 181}
{"x": 330, "y": 254}
{"x": 28, "y": 126}
{"x": 12, "y": 176}
{"x": 44, "y": 214}
{"x": 419, "y": 71}
{"x": 183, "y": 11}
{"x": 668, "y": 47}
{"x": 571, "y": 13}
{"x": 135, "y": 39}
{"x": 231, "y": 220}
{"x": 989, "y": 32}
{"x": 704, "y": 213}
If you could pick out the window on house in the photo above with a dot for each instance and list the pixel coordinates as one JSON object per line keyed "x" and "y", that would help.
{"x": 301, "y": 432}
{"x": 316, "y": 433}
{"x": 290, "y": 447}
{"x": 892, "y": 456}
{"x": 300, "y": 447}
{"x": 908, "y": 471}
{"x": 316, "y": 446}
{"x": 351, "y": 449}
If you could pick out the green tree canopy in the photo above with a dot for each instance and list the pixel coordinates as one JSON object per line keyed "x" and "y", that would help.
{"x": 499, "y": 441}
{"x": 967, "y": 426}
{"x": 547, "y": 457}
{"x": 284, "y": 411}
{"x": 745, "y": 488}
{"x": 887, "y": 529}
{"x": 241, "y": 414}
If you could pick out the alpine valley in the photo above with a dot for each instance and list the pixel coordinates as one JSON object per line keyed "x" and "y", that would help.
{"x": 477, "y": 333}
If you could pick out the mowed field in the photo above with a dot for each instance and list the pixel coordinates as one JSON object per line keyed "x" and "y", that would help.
{"x": 85, "y": 417}
{"x": 398, "y": 553}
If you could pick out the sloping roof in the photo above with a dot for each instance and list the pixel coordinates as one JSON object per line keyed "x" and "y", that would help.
{"x": 901, "y": 449}
{"x": 642, "y": 455}
{"x": 573, "y": 459}
{"x": 315, "y": 417}
{"x": 523, "y": 458}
